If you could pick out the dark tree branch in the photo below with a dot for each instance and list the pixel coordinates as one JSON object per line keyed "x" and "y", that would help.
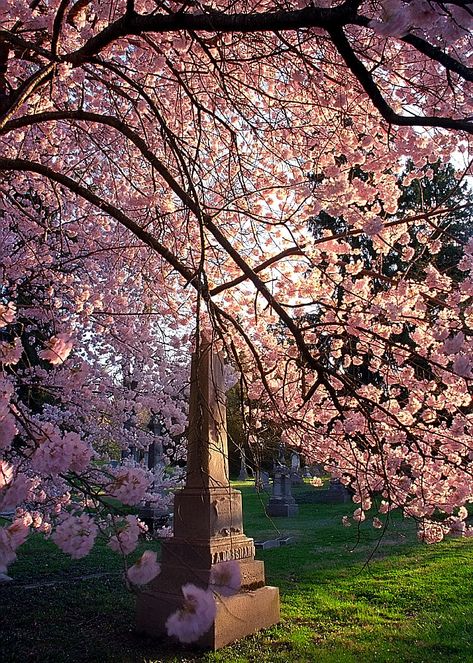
{"x": 136, "y": 24}
{"x": 358, "y": 69}
{"x": 58, "y": 25}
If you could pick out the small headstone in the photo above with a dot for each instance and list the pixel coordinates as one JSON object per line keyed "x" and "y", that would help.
{"x": 336, "y": 493}
{"x": 265, "y": 480}
{"x": 275, "y": 543}
{"x": 267, "y": 545}
{"x": 286, "y": 541}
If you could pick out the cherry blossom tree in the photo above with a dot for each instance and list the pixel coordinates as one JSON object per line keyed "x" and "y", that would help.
{"x": 160, "y": 162}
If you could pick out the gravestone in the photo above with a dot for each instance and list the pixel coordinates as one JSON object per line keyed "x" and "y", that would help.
{"x": 261, "y": 481}
{"x": 281, "y": 502}
{"x": 296, "y": 476}
{"x": 336, "y": 493}
{"x": 208, "y": 525}
{"x": 265, "y": 480}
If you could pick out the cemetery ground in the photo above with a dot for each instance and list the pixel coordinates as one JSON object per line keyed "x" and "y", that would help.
{"x": 348, "y": 595}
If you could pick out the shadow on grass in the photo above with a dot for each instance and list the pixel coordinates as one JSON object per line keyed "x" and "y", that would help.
{"x": 411, "y": 603}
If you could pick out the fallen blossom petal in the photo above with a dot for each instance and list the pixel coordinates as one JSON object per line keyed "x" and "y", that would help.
{"x": 145, "y": 569}
{"x": 195, "y": 617}
{"x": 225, "y": 578}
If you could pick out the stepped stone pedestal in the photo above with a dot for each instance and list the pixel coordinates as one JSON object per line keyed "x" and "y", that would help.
{"x": 208, "y": 526}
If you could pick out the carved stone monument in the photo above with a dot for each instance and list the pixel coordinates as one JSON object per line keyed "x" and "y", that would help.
{"x": 281, "y": 502}
{"x": 208, "y": 525}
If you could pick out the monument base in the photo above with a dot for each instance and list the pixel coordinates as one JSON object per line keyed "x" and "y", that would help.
{"x": 237, "y": 616}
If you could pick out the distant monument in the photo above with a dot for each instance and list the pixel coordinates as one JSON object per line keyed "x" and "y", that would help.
{"x": 281, "y": 502}
{"x": 208, "y": 526}
{"x": 336, "y": 493}
{"x": 261, "y": 480}
{"x": 296, "y": 476}
{"x": 153, "y": 516}
{"x": 243, "y": 476}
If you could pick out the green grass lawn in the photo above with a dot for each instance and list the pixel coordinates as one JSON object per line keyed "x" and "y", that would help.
{"x": 348, "y": 595}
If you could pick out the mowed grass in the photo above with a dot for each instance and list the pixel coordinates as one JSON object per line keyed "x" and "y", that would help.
{"x": 348, "y": 595}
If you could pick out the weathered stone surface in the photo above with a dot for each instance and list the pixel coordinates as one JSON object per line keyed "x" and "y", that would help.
{"x": 207, "y": 449}
{"x": 288, "y": 540}
{"x": 237, "y": 616}
{"x": 153, "y": 517}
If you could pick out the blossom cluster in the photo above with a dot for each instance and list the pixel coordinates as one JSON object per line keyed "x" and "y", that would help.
{"x": 126, "y": 538}
{"x": 76, "y": 535}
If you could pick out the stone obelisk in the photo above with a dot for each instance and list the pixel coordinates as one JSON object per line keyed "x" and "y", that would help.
{"x": 208, "y": 525}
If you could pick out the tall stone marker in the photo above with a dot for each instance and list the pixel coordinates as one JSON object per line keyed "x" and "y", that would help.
{"x": 208, "y": 525}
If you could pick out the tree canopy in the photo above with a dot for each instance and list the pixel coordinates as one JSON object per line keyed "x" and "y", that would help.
{"x": 160, "y": 162}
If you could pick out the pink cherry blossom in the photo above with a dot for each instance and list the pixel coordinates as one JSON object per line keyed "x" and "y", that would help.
{"x": 76, "y": 535}
{"x": 359, "y": 515}
{"x": 11, "y": 537}
{"x": 384, "y": 507}
{"x": 79, "y": 451}
{"x": 126, "y": 538}
{"x": 130, "y": 484}
{"x": 396, "y": 19}
{"x": 10, "y": 353}
{"x": 373, "y": 227}
{"x": 454, "y": 345}
{"x": 58, "y": 349}
{"x": 462, "y": 366}
{"x": 430, "y": 532}
{"x": 195, "y": 617}
{"x": 7, "y": 313}
{"x": 145, "y": 569}
{"x": 8, "y": 430}
{"x": 462, "y": 513}
{"x": 7, "y": 551}
{"x": 15, "y": 492}
{"x": 6, "y": 473}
